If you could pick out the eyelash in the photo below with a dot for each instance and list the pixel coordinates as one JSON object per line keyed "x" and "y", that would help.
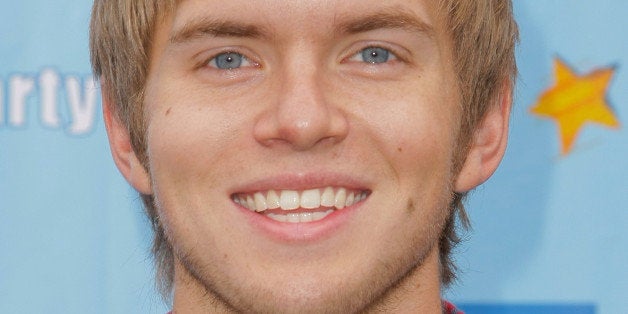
{"x": 244, "y": 62}
{"x": 392, "y": 56}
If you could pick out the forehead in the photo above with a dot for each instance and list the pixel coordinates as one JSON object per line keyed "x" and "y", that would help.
{"x": 271, "y": 18}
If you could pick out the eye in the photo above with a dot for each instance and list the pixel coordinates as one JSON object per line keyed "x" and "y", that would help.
{"x": 374, "y": 55}
{"x": 229, "y": 61}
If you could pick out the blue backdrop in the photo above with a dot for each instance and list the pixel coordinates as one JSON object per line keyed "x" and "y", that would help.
{"x": 549, "y": 227}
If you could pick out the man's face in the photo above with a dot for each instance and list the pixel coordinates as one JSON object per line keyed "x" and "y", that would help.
{"x": 345, "y": 110}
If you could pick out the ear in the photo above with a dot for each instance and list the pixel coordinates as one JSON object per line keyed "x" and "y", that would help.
{"x": 488, "y": 144}
{"x": 122, "y": 151}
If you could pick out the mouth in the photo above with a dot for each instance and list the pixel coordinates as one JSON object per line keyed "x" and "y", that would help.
{"x": 300, "y": 206}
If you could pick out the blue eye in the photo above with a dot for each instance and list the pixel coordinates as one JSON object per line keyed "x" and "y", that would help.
{"x": 228, "y": 61}
{"x": 375, "y": 55}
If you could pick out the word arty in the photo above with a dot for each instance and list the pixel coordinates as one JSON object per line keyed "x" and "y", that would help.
{"x": 75, "y": 115}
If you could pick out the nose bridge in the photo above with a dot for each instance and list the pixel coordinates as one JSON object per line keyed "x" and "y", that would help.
{"x": 302, "y": 110}
{"x": 302, "y": 115}
{"x": 301, "y": 97}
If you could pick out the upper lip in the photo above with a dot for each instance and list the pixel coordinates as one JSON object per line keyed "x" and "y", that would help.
{"x": 302, "y": 181}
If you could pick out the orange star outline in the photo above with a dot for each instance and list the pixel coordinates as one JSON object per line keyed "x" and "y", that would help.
{"x": 575, "y": 100}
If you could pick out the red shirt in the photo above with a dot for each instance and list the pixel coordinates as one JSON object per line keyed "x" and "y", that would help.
{"x": 449, "y": 308}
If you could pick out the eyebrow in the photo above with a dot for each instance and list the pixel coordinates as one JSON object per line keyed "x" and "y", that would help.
{"x": 206, "y": 26}
{"x": 393, "y": 18}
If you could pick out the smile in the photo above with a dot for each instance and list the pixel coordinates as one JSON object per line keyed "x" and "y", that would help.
{"x": 293, "y": 206}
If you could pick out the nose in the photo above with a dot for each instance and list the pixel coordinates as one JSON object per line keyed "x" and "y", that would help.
{"x": 301, "y": 115}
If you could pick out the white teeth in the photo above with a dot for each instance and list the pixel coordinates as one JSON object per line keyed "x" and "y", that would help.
{"x": 340, "y": 199}
{"x": 311, "y": 199}
{"x": 308, "y": 199}
{"x": 289, "y": 200}
{"x": 350, "y": 199}
{"x": 272, "y": 200}
{"x": 260, "y": 202}
{"x": 293, "y": 218}
{"x": 300, "y": 217}
{"x": 320, "y": 215}
{"x": 327, "y": 199}
{"x": 250, "y": 203}
{"x": 277, "y": 217}
{"x": 305, "y": 217}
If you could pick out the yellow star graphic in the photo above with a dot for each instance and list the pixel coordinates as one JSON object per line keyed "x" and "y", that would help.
{"x": 576, "y": 100}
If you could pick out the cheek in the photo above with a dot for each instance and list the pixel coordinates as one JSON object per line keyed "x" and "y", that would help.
{"x": 191, "y": 153}
{"x": 191, "y": 143}
{"x": 191, "y": 126}
{"x": 423, "y": 157}
{"x": 415, "y": 129}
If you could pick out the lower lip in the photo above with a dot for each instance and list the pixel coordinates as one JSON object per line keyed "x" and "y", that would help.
{"x": 301, "y": 232}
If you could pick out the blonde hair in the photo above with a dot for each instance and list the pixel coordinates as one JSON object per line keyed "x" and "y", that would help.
{"x": 483, "y": 36}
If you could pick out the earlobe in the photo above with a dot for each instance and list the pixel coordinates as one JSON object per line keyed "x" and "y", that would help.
{"x": 488, "y": 144}
{"x": 122, "y": 151}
